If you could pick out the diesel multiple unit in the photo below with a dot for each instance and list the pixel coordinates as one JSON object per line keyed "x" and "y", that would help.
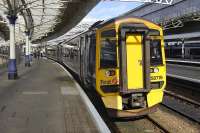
{"x": 123, "y": 59}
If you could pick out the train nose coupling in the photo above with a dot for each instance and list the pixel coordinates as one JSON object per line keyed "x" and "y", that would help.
{"x": 137, "y": 100}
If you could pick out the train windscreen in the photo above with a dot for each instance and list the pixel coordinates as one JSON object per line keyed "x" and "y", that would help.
{"x": 108, "y": 54}
{"x": 155, "y": 52}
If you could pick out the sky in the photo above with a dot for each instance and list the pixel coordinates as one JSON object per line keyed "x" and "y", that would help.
{"x": 105, "y": 10}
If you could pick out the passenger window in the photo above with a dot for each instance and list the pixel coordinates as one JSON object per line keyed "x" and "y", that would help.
{"x": 155, "y": 52}
{"x": 108, "y": 55}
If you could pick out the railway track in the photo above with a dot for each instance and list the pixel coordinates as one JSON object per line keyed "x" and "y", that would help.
{"x": 177, "y": 96}
{"x": 143, "y": 124}
{"x": 155, "y": 122}
{"x": 175, "y": 81}
{"x": 183, "y": 106}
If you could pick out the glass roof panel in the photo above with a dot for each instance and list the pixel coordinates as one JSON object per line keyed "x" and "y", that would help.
{"x": 45, "y": 14}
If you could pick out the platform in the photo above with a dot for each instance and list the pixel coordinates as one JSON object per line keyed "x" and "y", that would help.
{"x": 45, "y": 99}
{"x": 183, "y": 60}
{"x": 187, "y": 62}
{"x": 185, "y": 72}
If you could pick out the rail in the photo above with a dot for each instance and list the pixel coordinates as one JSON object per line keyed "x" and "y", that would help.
{"x": 180, "y": 104}
{"x": 156, "y": 123}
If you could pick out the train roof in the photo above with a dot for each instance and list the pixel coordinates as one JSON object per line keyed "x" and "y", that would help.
{"x": 63, "y": 43}
{"x": 100, "y": 24}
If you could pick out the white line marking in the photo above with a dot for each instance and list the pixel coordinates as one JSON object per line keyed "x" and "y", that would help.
{"x": 184, "y": 78}
{"x": 194, "y": 62}
{"x": 34, "y": 92}
{"x": 102, "y": 127}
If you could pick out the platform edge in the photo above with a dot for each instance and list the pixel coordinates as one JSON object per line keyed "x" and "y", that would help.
{"x": 100, "y": 124}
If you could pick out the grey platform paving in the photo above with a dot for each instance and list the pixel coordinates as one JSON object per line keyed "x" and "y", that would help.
{"x": 184, "y": 71}
{"x": 180, "y": 59}
{"x": 43, "y": 100}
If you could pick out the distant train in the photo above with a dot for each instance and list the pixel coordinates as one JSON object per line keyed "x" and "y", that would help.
{"x": 123, "y": 59}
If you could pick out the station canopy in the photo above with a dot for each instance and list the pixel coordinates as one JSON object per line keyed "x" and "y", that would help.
{"x": 45, "y": 19}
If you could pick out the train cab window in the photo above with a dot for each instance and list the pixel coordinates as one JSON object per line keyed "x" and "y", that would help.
{"x": 108, "y": 55}
{"x": 155, "y": 52}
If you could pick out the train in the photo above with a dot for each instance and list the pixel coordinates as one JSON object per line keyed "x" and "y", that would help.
{"x": 123, "y": 59}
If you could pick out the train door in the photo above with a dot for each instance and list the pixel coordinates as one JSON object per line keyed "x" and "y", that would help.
{"x": 135, "y": 61}
{"x": 82, "y": 48}
{"x": 134, "y": 57}
{"x": 85, "y": 60}
{"x": 92, "y": 59}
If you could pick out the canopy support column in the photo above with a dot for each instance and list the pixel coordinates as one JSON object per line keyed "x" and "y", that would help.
{"x": 12, "y": 66}
{"x": 27, "y": 57}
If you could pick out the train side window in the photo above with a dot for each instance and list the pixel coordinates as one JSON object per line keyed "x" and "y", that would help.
{"x": 155, "y": 52}
{"x": 108, "y": 54}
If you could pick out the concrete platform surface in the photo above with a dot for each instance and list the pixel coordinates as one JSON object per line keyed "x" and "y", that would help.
{"x": 43, "y": 100}
{"x": 185, "y": 60}
{"x": 189, "y": 72}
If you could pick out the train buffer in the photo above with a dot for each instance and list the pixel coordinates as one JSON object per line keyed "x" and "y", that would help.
{"x": 46, "y": 99}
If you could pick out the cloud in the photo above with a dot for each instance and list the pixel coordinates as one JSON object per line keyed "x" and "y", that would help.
{"x": 106, "y": 10}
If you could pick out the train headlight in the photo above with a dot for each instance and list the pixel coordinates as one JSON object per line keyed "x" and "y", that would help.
{"x": 110, "y": 73}
{"x": 154, "y": 70}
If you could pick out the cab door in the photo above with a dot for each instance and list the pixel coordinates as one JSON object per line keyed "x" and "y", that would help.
{"x": 134, "y": 61}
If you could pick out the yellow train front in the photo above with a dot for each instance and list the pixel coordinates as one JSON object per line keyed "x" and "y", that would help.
{"x": 130, "y": 66}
